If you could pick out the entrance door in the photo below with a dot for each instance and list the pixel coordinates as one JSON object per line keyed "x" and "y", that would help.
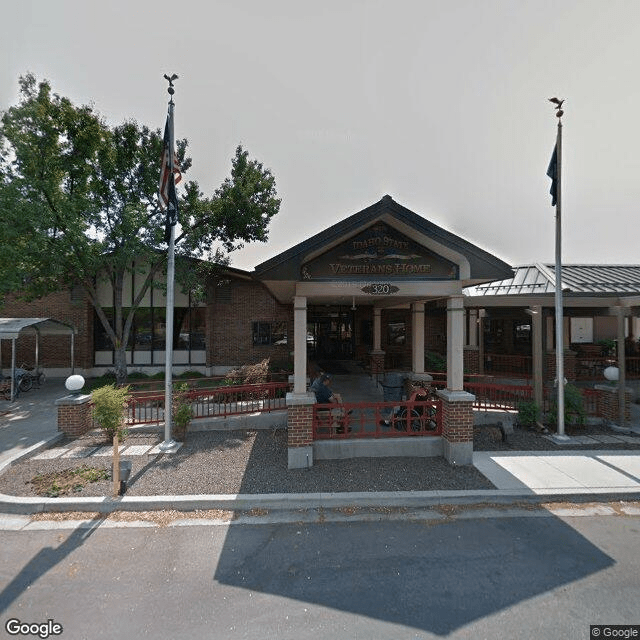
{"x": 330, "y": 333}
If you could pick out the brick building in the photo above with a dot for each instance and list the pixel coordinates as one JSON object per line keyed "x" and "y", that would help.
{"x": 384, "y": 287}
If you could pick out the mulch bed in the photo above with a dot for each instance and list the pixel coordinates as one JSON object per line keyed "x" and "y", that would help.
{"x": 230, "y": 462}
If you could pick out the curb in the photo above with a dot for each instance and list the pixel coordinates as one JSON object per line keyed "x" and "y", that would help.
{"x": 294, "y": 501}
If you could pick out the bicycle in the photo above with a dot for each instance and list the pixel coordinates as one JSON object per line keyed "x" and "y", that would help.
{"x": 30, "y": 375}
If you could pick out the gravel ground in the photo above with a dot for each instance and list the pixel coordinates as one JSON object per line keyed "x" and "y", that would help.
{"x": 218, "y": 462}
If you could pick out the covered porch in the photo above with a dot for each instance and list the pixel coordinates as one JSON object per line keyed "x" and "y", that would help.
{"x": 383, "y": 259}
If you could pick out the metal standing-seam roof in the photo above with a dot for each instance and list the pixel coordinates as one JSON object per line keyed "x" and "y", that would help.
{"x": 582, "y": 279}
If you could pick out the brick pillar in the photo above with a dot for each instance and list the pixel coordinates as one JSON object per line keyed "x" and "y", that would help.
{"x": 610, "y": 405}
{"x": 457, "y": 426}
{"x": 74, "y": 414}
{"x": 376, "y": 361}
{"x": 299, "y": 429}
{"x": 471, "y": 356}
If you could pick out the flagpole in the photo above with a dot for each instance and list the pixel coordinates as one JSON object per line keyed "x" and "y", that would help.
{"x": 169, "y": 444}
{"x": 559, "y": 307}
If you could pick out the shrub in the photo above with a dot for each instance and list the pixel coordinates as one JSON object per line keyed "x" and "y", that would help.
{"x": 182, "y": 413}
{"x": 528, "y": 414}
{"x": 250, "y": 373}
{"x": 191, "y": 374}
{"x": 109, "y": 405}
{"x": 574, "y": 411}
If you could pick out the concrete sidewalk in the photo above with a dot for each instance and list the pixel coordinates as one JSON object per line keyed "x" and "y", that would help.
{"x": 30, "y": 425}
{"x": 29, "y": 421}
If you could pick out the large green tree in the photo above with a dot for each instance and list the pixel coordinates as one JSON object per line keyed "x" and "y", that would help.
{"x": 79, "y": 205}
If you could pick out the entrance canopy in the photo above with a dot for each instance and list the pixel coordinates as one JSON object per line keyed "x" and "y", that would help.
{"x": 384, "y": 256}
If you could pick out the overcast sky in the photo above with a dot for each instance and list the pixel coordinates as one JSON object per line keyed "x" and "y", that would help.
{"x": 441, "y": 104}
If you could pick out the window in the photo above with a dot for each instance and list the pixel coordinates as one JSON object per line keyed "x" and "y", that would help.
{"x": 148, "y": 331}
{"x": 268, "y": 333}
{"x": 397, "y": 333}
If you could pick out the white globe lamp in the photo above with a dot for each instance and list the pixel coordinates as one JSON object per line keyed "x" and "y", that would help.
{"x": 612, "y": 374}
{"x": 74, "y": 384}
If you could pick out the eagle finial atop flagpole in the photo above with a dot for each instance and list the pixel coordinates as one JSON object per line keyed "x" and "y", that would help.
{"x": 171, "y": 90}
{"x": 556, "y": 101}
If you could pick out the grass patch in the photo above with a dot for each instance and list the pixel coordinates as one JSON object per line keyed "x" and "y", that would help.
{"x": 61, "y": 483}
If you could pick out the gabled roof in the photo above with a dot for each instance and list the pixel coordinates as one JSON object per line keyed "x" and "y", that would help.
{"x": 582, "y": 279}
{"x": 10, "y": 328}
{"x": 482, "y": 265}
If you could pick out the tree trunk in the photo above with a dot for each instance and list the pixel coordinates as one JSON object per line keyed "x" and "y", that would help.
{"x": 120, "y": 364}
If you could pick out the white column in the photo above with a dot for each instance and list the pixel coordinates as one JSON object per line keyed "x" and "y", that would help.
{"x": 417, "y": 337}
{"x": 455, "y": 333}
{"x": 299, "y": 344}
{"x": 377, "y": 329}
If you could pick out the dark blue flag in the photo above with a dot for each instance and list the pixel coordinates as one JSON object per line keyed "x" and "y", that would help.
{"x": 552, "y": 172}
{"x": 169, "y": 177}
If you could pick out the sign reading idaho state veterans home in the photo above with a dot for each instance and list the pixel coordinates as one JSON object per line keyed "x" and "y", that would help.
{"x": 379, "y": 251}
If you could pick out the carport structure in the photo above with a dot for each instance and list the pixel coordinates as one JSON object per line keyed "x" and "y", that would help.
{"x": 13, "y": 328}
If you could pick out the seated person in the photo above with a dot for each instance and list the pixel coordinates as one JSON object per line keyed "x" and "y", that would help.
{"x": 324, "y": 395}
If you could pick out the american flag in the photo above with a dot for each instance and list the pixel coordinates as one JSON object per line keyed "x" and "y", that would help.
{"x": 167, "y": 188}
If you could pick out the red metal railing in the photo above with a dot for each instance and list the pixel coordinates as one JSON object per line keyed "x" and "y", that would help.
{"x": 498, "y": 396}
{"x": 377, "y": 419}
{"x": 210, "y": 403}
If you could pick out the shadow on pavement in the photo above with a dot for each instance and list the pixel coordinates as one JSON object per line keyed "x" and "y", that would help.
{"x": 45, "y": 560}
{"x": 436, "y": 578}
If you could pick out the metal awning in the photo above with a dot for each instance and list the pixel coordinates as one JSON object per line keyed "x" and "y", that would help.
{"x": 12, "y": 328}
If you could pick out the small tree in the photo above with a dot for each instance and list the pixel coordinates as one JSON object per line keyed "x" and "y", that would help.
{"x": 79, "y": 205}
{"x": 109, "y": 404}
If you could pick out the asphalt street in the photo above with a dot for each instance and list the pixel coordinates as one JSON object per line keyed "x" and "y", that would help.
{"x": 504, "y": 572}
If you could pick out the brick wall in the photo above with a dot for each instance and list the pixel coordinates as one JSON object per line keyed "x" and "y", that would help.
{"x": 75, "y": 419}
{"x": 457, "y": 421}
{"x": 299, "y": 427}
{"x": 230, "y": 315}
{"x": 608, "y": 405}
{"x": 55, "y": 351}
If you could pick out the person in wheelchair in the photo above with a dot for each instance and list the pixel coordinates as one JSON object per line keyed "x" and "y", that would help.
{"x": 418, "y": 418}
